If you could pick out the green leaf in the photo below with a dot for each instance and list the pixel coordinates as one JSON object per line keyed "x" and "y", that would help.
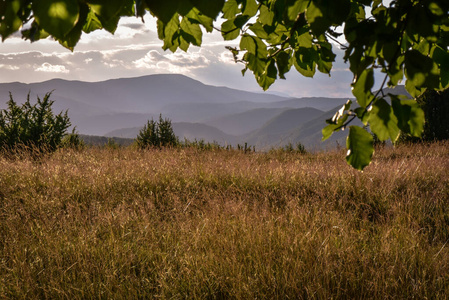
{"x": 360, "y": 147}
{"x": 230, "y": 9}
{"x": 305, "y": 61}
{"x": 169, "y": 33}
{"x": 56, "y": 17}
{"x": 10, "y": 22}
{"x": 295, "y": 9}
{"x": 266, "y": 16}
{"x": 304, "y": 38}
{"x": 396, "y": 72}
{"x": 210, "y": 8}
{"x": 250, "y": 8}
{"x": 318, "y": 23}
{"x": 34, "y": 33}
{"x": 255, "y": 64}
{"x": 284, "y": 62}
{"x": 337, "y": 122}
{"x": 333, "y": 127}
{"x": 259, "y": 30}
{"x": 362, "y": 87}
{"x": 195, "y": 16}
{"x": 328, "y": 131}
{"x": 108, "y": 12}
{"x": 322, "y": 14}
{"x": 383, "y": 121}
{"x": 436, "y": 9}
{"x": 414, "y": 91}
{"x": 92, "y": 22}
{"x": 420, "y": 70}
{"x": 410, "y": 115}
{"x": 254, "y": 45}
{"x": 230, "y": 29}
{"x": 326, "y": 58}
{"x": 441, "y": 57}
{"x": 163, "y": 10}
{"x": 191, "y": 32}
{"x": 72, "y": 38}
{"x": 268, "y": 77}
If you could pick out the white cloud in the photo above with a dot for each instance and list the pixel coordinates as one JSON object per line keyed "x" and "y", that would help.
{"x": 46, "y": 67}
{"x": 226, "y": 57}
{"x": 9, "y": 67}
{"x": 178, "y": 62}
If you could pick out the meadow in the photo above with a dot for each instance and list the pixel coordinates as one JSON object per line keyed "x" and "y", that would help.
{"x": 188, "y": 223}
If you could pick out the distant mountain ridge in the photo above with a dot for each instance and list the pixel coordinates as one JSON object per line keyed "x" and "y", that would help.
{"x": 120, "y": 107}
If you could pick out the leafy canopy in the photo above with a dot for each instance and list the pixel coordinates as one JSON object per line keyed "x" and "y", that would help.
{"x": 406, "y": 40}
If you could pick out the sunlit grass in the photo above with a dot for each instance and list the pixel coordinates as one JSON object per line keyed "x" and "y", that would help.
{"x": 185, "y": 223}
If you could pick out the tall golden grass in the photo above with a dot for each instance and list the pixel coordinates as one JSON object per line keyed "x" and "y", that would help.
{"x": 184, "y": 223}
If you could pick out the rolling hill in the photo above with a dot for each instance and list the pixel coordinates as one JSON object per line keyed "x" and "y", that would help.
{"x": 94, "y": 105}
{"x": 245, "y": 122}
{"x": 274, "y": 131}
{"x": 184, "y": 130}
{"x": 120, "y": 107}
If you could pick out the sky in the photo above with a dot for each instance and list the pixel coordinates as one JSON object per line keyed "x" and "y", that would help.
{"x": 134, "y": 50}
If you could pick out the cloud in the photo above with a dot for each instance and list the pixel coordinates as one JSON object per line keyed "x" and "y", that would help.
{"x": 226, "y": 57}
{"x": 179, "y": 62}
{"x": 46, "y": 67}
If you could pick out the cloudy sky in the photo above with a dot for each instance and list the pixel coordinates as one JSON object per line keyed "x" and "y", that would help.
{"x": 134, "y": 50}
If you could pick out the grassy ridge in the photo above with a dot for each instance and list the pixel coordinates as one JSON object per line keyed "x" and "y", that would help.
{"x": 183, "y": 223}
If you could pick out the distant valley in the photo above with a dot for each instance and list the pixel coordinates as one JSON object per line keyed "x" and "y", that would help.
{"x": 120, "y": 108}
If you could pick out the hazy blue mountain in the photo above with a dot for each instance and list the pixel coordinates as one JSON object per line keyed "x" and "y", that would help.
{"x": 99, "y": 125}
{"x": 94, "y": 105}
{"x": 245, "y": 122}
{"x": 275, "y": 130}
{"x": 146, "y": 94}
{"x": 321, "y": 103}
{"x": 204, "y": 112}
{"x": 184, "y": 130}
{"x": 309, "y": 134}
{"x": 226, "y": 115}
{"x": 192, "y": 131}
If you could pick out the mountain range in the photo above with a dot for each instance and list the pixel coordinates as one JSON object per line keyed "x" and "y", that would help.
{"x": 120, "y": 108}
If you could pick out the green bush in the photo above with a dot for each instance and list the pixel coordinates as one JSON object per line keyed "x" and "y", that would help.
{"x": 73, "y": 141}
{"x": 32, "y": 126}
{"x": 157, "y": 134}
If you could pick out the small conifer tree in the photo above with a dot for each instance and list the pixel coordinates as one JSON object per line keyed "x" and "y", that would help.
{"x": 157, "y": 134}
{"x": 166, "y": 134}
{"x": 148, "y": 136}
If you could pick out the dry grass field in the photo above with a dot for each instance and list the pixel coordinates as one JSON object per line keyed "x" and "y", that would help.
{"x": 184, "y": 223}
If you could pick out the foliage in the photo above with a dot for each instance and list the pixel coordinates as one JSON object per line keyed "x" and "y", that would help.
{"x": 73, "y": 141}
{"x": 185, "y": 223}
{"x": 157, "y": 134}
{"x": 203, "y": 145}
{"x": 32, "y": 125}
{"x": 102, "y": 141}
{"x": 408, "y": 39}
{"x": 299, "y": 148}
{"x": 112, "y": 144}
{"x": 436, "y": 109}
